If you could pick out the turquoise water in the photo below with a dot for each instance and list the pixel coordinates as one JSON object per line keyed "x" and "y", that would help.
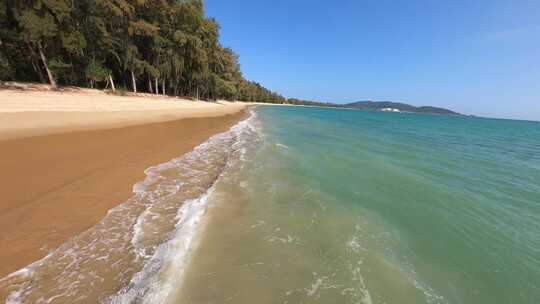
{"x": 344, "y": 206}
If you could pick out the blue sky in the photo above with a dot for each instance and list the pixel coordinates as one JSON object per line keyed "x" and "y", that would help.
{"x": 475, "y": 57}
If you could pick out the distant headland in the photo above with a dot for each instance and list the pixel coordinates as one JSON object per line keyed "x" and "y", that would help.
{"x": 388, "y": 106}
{"x": 382, "y": 106}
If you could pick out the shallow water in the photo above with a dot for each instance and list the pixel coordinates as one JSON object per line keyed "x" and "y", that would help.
{"x": 307, "y": 205}
{"x": 340, "y": 206}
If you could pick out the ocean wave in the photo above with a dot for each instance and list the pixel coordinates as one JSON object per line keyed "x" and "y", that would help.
{"x": 147, "y": 286}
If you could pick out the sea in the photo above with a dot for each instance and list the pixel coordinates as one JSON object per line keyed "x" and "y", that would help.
{"x": 318, "y": 205}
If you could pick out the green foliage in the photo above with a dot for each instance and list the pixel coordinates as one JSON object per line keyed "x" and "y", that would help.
{"x": 137, "y": 42}
{"x": 74, "y": 42}
{"x": 57, "y": 65}
{"x": 6, "y": 71}
{"x": 96, "y": 72}
{"x": 35, "y": 27}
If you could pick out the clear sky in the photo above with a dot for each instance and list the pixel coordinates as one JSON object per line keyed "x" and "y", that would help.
{"x": 473, "y": 56}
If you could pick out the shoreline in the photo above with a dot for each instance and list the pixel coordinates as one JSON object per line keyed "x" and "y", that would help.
{"x": 176, "y": 253}
{"x": 58, "y": 183}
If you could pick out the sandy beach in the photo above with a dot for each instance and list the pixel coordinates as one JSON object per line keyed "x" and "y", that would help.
{"x": 31, "y": 110}
{"x": 68, "y": 157}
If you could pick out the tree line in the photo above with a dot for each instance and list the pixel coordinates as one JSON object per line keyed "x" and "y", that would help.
{"x": 164, "y": 47}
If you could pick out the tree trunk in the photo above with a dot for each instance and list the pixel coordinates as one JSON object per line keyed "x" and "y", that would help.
{"x": 111, "y": 81}
{"x": 163, "y": 87}
{"x": 150, "y": 85}
{"x": 197, "y": 92}
{"x": 134, "y": 82}
{"x": 156, "y": 85}
{"x": 38, "y": 71}
{"x": 51, "y": 78}
{"x": 36, "y": 68}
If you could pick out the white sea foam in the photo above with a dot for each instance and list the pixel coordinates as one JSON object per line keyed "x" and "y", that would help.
{"x": 312, "y": 290}
{"x": 149, "y": 286}
{"x": 353, "y": 245}
{"x": 163, "y": 272}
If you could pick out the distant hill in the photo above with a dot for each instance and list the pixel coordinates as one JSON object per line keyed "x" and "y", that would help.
{"x": 402, "y": 107}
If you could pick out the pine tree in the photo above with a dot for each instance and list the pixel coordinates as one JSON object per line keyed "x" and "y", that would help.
{"x": 166, "y": 47}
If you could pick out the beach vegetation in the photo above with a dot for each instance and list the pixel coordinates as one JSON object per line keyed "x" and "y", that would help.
{"x": 96, "y": 72}
{"x": 160, "y": 47}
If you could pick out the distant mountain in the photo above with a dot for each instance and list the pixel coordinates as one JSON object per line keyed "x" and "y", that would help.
{"x": 397, "y": 106}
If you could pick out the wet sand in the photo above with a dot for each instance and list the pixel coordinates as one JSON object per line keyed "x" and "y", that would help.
{"x": 58, "y": 185}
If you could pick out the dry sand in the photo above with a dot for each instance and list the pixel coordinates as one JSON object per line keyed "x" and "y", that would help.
{"x": 68, "y": 157}
{"x": 36, "y": 111}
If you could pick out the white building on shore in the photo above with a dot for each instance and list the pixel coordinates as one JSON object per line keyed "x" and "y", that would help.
{"x": 390, "y": 110}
